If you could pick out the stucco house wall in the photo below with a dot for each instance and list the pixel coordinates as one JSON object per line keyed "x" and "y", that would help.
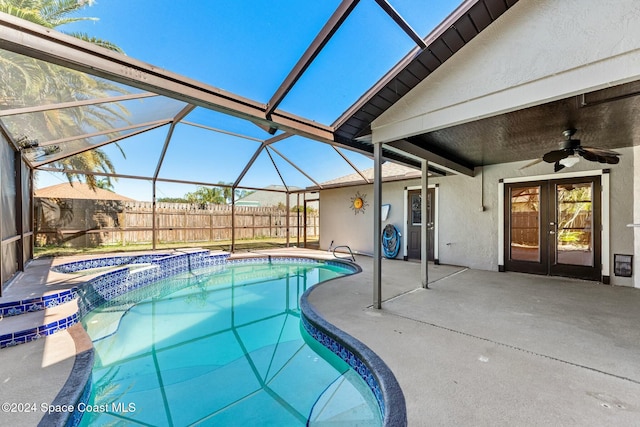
{"x": 468, "y": 212}
{"x": 342, "y": 226}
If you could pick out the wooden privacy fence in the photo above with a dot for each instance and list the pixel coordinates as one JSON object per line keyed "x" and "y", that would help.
{"x": 83, "y": 223}
{"x": 576, "y": 228}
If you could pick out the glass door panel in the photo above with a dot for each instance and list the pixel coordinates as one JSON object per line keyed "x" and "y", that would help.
{"x": 525, "y": 224}
{"x": 416, "y": 209}
{"x": 574, "y": 234}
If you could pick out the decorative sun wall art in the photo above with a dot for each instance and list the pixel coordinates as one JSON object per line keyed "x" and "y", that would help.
{"x": 359, "y": 203}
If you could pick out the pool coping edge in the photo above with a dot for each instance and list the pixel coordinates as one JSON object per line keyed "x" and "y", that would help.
{"x": 392, "y": 398}
{"x": 78, "y": 385}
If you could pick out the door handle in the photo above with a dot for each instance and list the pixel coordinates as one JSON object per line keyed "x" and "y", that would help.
{"x": 552, "y": 232}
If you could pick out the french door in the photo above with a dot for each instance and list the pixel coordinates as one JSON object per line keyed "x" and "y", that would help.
{"x": 553, "y": 227}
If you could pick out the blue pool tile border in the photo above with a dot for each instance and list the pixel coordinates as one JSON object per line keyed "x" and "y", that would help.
{"x": 87, "y": 264}
{"x": 281, "y": 259}
{"x": 371, "y": 368}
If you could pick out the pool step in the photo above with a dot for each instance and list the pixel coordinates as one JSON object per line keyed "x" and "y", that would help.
{"x": 342, "y": 404}
{"x": 28, "y": 305}
{"x": 32, "y": 325}
{"x": 347, "y": 418}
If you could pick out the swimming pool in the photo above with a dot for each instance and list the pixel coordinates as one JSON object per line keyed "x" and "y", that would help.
{"x": 221, "y": 347}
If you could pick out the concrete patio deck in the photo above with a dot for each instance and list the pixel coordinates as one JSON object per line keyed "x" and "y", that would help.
{"x": 484, "y": 348}
{"x": 476, "y": 349}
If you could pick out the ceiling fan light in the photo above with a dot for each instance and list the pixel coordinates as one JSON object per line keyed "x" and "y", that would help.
{"x": 570, "y": 161}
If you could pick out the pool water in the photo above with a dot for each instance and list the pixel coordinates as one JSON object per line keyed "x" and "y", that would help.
{"x": 223, "y": 348}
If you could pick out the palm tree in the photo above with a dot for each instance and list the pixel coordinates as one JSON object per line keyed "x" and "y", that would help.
{"x": 54, "y": 14}
{"x": 26, "y": 82}
{"x": 204, "y": 195}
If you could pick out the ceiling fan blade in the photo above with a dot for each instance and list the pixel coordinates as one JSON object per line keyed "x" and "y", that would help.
{"x": 612, "y": 160}
{"x": 597, "y": 155}
{"x": 556, "y": 155}
{"x": 600, "y": 151}
{"x": 588, "y": 155}
{"x": 557, "y": 166}
{"x": 534, "y": 162}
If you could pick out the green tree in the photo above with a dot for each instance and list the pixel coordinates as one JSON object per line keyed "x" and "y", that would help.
{"x": 204, "y": 195}
{"x": 54, "y": 14}
{"x": 104, "y": 184}
{"x": 575, "y": 214}
{"x": 227, "y": 190}
{"x": 299, "y": 208}
{"x": 25, "y": 81}
{"x": 172, "y": 200}
{"x": 216, "y": 195}
{"x": 243, "y": 193}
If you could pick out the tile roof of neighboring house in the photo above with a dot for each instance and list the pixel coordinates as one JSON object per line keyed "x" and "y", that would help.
{"x": 78, "y": 190}
{"x": 266, "y": 198}
{"x": 390, "y": 172}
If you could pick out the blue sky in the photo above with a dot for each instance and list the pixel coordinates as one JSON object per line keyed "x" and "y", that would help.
{"x": 248, "y": 47}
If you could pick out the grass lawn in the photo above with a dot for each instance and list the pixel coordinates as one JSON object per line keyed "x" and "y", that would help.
{"x": 240, "y": 246}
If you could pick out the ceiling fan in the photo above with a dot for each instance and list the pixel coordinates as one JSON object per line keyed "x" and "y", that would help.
{"x": 570, "y": 152}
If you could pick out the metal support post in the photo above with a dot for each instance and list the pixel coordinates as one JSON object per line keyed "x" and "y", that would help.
{"x": 154, "y": 233}
{"x": 233, "y": 220}
{"x": 287, "y": 217}
{"x": 424, "y": 228}
{"x": 377, "y": 225}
